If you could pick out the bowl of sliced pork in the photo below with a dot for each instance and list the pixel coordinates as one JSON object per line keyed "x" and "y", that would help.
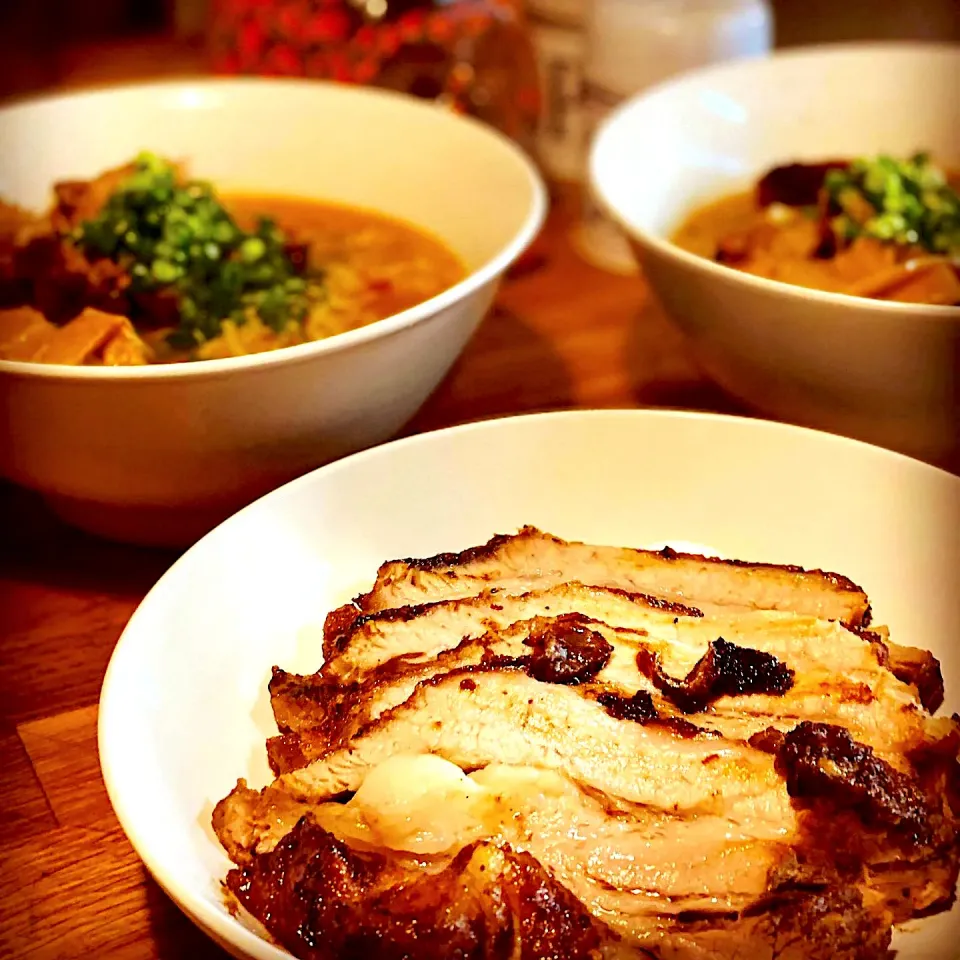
{"x": 646, "y": 684}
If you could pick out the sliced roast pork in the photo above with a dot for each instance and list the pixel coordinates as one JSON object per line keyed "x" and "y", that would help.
{"x": 543, "y": 749}
{"x": 423, "y": 631}
{"x": 532, "y": 559}
{"x": 324, "y": 901}
{"x": 836, "y": 676}
{"x": 659, "y": 885}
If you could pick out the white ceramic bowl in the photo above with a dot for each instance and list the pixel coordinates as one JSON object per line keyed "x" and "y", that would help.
{"x": 185, "y": 710}
{"x": 883, "y": 372}
{"x": 153, "y": 454}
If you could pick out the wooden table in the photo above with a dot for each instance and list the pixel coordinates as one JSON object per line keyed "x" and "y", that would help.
{"x": 562, "y": 335}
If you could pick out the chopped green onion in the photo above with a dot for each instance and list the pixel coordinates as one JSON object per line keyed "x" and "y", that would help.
{"x": 164, "y": 271}
{"x": 907, "y": 202}
{"x": 252, "y": 249}
{"x": 179, "y": 235}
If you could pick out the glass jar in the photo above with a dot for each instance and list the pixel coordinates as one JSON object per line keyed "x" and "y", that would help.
{"x": 558, "y": 31}
{"x": 633, "y": 44}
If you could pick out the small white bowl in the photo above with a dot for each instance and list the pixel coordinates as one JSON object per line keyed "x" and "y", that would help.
{"x": 158, "y": 454}
{"x": 883, "y": 372}
{"x": 185, "y": 710}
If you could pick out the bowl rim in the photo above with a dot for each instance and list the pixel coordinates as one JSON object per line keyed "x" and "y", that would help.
{"x": 222, "y": 926}
{"x": 532, "y": 221}
{"x": 610, "y": 131}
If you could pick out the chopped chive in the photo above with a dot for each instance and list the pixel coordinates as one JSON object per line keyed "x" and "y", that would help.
{"x": 179, "y": 235}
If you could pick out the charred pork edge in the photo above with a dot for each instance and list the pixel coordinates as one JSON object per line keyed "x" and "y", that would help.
{"x": 344, "y": 622}
{"x": 339, "y": 620}
{"x": 395, "y": 670}
{"x": 489, "y": 549}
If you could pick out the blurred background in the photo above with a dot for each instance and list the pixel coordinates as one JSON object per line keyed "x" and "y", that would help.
{"x": 46, "y": 43}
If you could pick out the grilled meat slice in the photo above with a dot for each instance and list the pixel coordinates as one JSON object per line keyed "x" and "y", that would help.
{"x": 725, "y": 669}
{"x": 822, "y": 760}
{"x": 324, "y": 901}
{"x": 331, "y": 713}
{"x": 837, "y": 678}
{"x": 647, "y": 870}
{"x": 62, "y": 281}
{"x": 532, "y": 559}
{"x": 303, "y": 701}
{"x": 920, "y": 669}
{"x": 831, "y": 923}
{"x": 696, "y": 759}
{"x": 339, "y": 712}
{"x": 363, "y": 643}
{"x": 397, "y": 638}
{"x": 424, "y": 631}
{"x": 615, "y": 856}
{"x": 474, "y": 716}
{"x": 16, "y": 225}
{"x": 854, "y": 807}
{"x": 680, "y": 888}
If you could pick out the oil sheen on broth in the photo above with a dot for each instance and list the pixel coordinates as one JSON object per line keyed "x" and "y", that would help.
{"x": 373, "y": 265}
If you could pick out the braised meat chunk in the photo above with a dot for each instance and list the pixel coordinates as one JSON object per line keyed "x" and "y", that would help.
{"x": 327, "y": 902}
{"x": 538, "y": 748}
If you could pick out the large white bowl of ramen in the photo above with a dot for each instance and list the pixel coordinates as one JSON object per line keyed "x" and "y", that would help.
{"x": 147, "y": 392}
{"x": 858, "y": 335}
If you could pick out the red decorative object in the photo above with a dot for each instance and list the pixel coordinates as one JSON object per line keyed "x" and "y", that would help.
{"x": 471, "y": 54}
